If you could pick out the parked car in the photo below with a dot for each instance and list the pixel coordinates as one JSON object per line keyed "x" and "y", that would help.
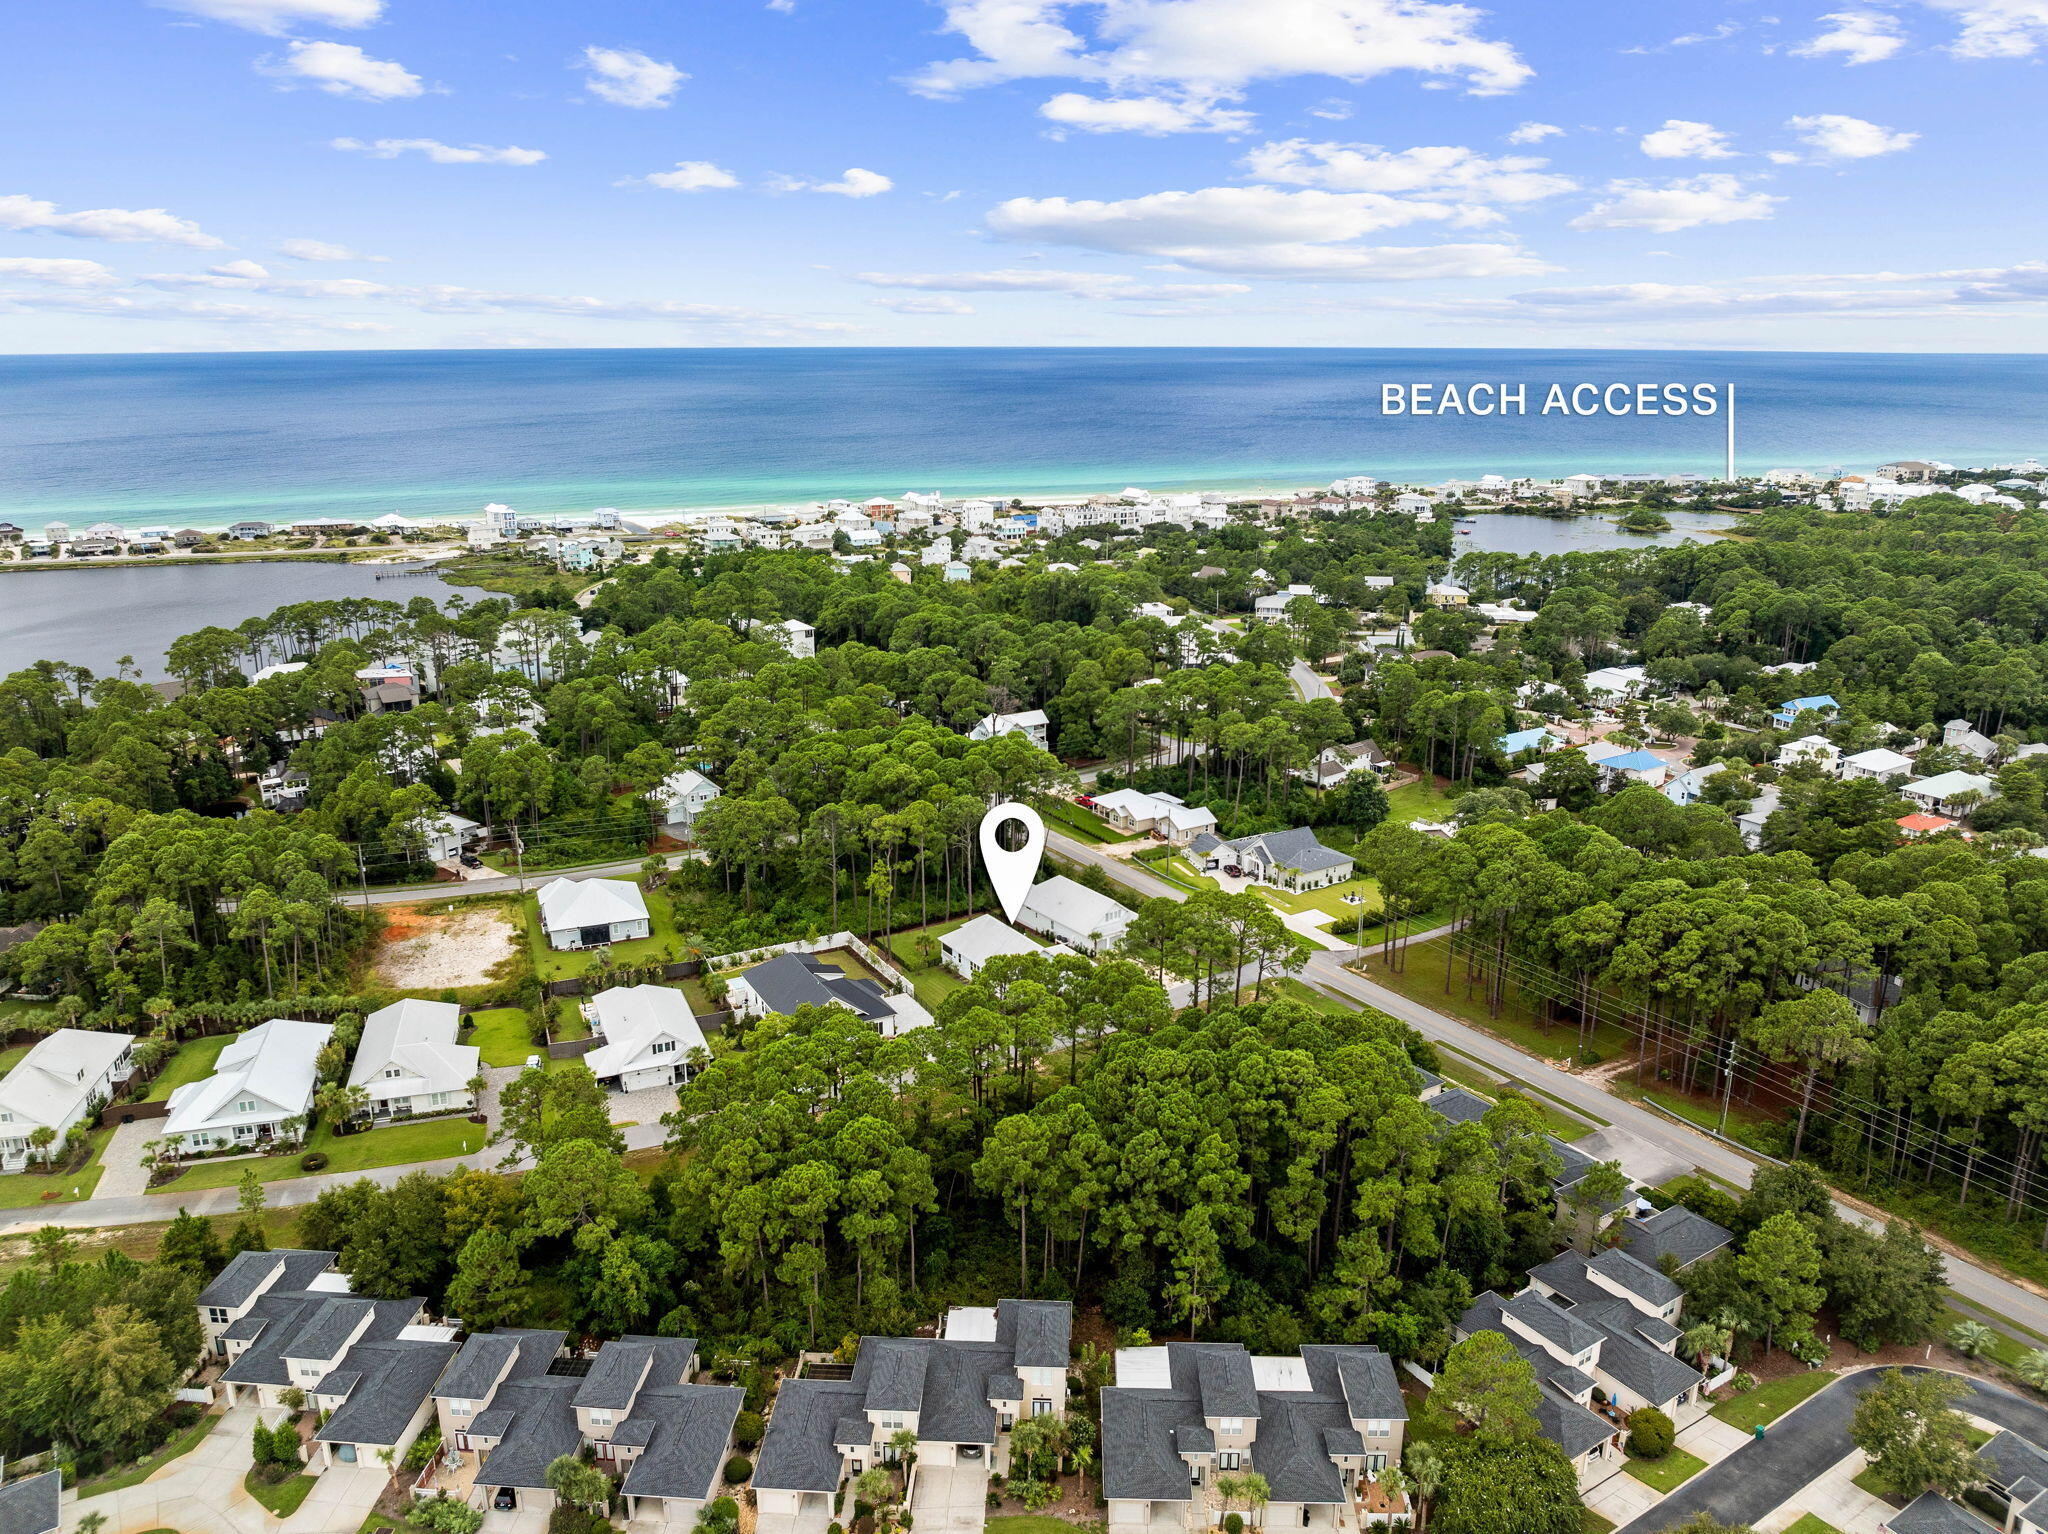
{"x": 470, "y": 860}
{"x": 1086, "y": 801}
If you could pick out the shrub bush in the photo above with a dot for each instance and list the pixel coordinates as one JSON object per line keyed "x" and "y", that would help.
{"x": 1233, "y": 1523}
{"x": 1650, "y": 1433}
{"x": 313, "y": 1161}
{"x": 737, "y": 1469}
{"x": 746, "y": 1429}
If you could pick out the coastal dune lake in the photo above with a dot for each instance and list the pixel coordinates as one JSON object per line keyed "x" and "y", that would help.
{"x": 94, "y": 616}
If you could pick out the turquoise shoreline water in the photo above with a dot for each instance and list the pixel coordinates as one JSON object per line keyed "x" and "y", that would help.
{"x": 205, "y": 439}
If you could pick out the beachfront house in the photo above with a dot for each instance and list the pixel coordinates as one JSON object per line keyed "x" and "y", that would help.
{"x": 249, "y": 530}
{"x": 1031, "y": 724}
{"x": 589, "y": 913}
{"x": 682, "y": 797}
{"x": 650, "y": 1037}
{"x": 263, "y": 1078}
{"x": 959, "y": 1393}
{"x": 972, "y": 944}
{"x": 1320, "y": 1428}
{"x": 408, "y": 1062}
{"x": 1074, "y": 915}
{"x": 792, "y": 980}
{"x": 1289, "y": 860}
{"x": 60, "y": 1082}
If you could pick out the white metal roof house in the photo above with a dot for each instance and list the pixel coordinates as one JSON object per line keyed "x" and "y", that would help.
{"x": 1879, "y": 762}
{"x": 408, "y": 1060}
{"x": 969, "y": 946}
{"x": 1030, "y": 724}
{"x": 589, "y": 913}
{"x": 1075, "y": 915}
{"x": 650, "y": 1037}
{"x": 682, "y": 797}
{"x": 263, "y": 1078}
{"x": 56, "y": 1084}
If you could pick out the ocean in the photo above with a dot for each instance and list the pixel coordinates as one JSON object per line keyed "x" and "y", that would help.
{"x": 202, "y": 440}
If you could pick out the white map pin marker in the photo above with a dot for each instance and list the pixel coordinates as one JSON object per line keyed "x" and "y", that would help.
{"x": 1012, "y": 873}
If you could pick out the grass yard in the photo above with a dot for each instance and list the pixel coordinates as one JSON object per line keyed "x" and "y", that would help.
{"x": 500, "y": 1036}
{"x": 193, "y": 1062}
{"x": 1666, "y": 1474}
{"x": 422, "y": 1140}
{"x": 1419, "y": 801}
{"x": 10, "y": 1058}
{"x": 1294, "y": 990}
{"x": 24, "y": 1190}
{"x": 1868, "y": 1480}
{"x": 282, "y": 1499}
{"x": 1772, "y": 1399}
{"x": 1808, "y": 1524}
{"x": 559, "y": 964}
{"x": 143, "y": 1469}
{"x": 1029, "y": 1523}
{"x": 1330, "y": 899}
{"x": 1705, "y": 1112}
{"x": 1591, "y": 1522}
{"x": 931, "y": 981}
{"x": 1422, "y": 980}
{"x": 1082, "y": 824}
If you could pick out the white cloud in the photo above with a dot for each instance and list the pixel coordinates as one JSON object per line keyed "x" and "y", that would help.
{"x": 628, "y": 78}
{"x": 1712, "y": 199}
{"x": 125, "y": 226}
{"x": 1680, "y": 139}
{"x": 321, "y": 250}
{"x": 1095, "y": 285}
{"x": 1150, "y": 115}
{"x": 1535, "y": 133}
{"x": 57, "y": 272}
{"x": 1213, "y": 48}
{"x": 275, "y": 18}
{"x": 692, "y": 176}
{"x": 1860, "y": 37}
{"x": 1437, "y": 168}
{"x": 1832, "y": 136}
{"x": 932, "y": 303}
{"x": 1997, "y": 29}
{"x": 440, "y": 153}
{"x": 343, "y": 69}
{"x": 854, "y": 183}
{"x": 1260, "y": 231}
{"x": 1335, "y": 110}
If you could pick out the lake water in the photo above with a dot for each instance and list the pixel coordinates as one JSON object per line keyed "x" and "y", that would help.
{"x": 1506, "y": 533}
{"x": 92, "y": 617}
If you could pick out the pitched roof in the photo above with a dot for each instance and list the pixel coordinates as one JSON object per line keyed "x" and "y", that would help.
{"x": 1676, "y": 1231}
{"x": 590, "y": 903}
{"x": 633, "y": 1018}
{"x": 1296, "y": 848}
{"x": 792, "y": 980}
{"x": 800, "y": 1450}
{"x": 55, "y": 1078}
{"x": 417, "y": 1037}
{"x": 247, "y": 1272}
{"x": 1059, "y": 900}
{"x": 516, "y": 1354}
{"x": 30, "y": 1505}
{"x": 275, "y": 1062}
{"x": 1932, "y": 1513}
{"x": 686, "y": 1429}
{"x": 623, "y": 1366}
{"x": 985, "y": 938}
{"x": 535, "y": 1425}
{"x": 391, "y": 1382}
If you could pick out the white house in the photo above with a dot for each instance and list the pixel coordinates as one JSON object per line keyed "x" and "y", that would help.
{"x": 1292, "y": 859}
{"x": 409, "y": 1063}
{"x": 55, "y": 1085}
{"x": 588, "y": 913}
{"x": 650, "y": 1037}
{"x": 1163, "y": 815}
{"x": 972, "y": 944}
{"x": 682, "y": 797}
{"x": 1615, "y": 682}
{"x": 1030, "y": 724}
{"x": 1950, "y": 793}
{"x": 1962, "y": 736}
{"x": 796, "y": 636}
{"x": 1075, "y": 915}
{"x": 263, "y": 1078}
{"x": 1816, "y": 749}
{"x": 1879, "y": 763}
{"x": 447, "y": 835}
{"x": 1690, "y": 786}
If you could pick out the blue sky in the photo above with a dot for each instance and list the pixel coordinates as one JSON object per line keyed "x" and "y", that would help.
{"x": 251, "y": 174}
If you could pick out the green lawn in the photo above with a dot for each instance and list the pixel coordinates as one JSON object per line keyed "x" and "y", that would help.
{"x": 500, "y": 1036}
{"x": 10, "y": 1058}
{"x": 284, "y": 1498}
{"x": 558, "y": 964}
{"x": 1666, "y": 1474}
{"x": 1078, "y": 822}
{"x": 1419, "y": 801}
{"x": 1867, "y": 1479}
{"x": 1808, "y": 1524}
{"x": 1591, "y": 1522}
{"x": 1029, "y": 1523}
{"x": 23, "y": 1190}
{"x": 931, "y": 982}
{"x": 1772, "y": 1399}
{"x": 421, "y": 1140}
{"x": 193, "y": 1062}
{"x": 1330, "y": 899}
{"x": 143, "y": 1469}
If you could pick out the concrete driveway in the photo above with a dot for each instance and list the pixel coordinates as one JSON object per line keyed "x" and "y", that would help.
{"x": 124, "y": 1172}
{"x": 951, "y": 1496}
{"x": 197, "y": 1493}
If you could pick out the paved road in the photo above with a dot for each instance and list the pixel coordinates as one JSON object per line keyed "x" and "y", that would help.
{"x": 1325, "y": 970}
{"x": 1309, "y": 683}
{"x": 506, "y": 884}
{"x": 1767, "y": 1472}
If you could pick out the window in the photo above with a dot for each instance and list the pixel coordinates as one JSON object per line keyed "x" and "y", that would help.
{"x": 461, "y": 1408}
{"x": 440, "y": 1099}
{"x": 246, "y": 1105}
{"x": 217, "y": 1315}
{"x": 1041, "y": 1407}
{"x": 600, "y": 1419}
{"x": 1228, "y": 1459}
{"x": 1377, "y": 1429}
{"x": 393, "y": 1072}
{"x": 665, "y": 1047}
{"x": 1009, "y": 1421}
{"x": 1230, "y": 1424}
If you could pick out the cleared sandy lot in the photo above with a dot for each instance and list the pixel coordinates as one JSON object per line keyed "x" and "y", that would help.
{"x": 432, "y": 947}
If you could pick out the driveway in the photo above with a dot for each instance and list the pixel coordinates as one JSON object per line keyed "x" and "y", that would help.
{"x": 125, "y": 1174}
{"x": 197, "y": 1493}
{"x": 951, "y": 1497}
{"x": 1801, "y": 1446}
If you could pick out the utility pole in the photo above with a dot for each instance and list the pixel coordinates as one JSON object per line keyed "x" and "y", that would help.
{"x": 363, "y": 877}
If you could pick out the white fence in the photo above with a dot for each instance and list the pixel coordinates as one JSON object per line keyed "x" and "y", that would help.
{"x": 893, "y": 977}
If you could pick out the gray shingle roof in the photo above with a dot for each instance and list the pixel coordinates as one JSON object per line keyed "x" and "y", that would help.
{"x": 799, "y": 1452}
{"x": 1932, "y": 1513}
{"x": 1569, "y": 1425}
{"x": 485, "y": 1355}
{"x": 1458, "y": 1106}
{"x": 1552, "y": 1322}
{"x": 2009, "y": 1459}
{"x": 1041, "y": 1331}
{"x": 539, "y": 1427}
{"x": 1296, "y": 848}
{"x": 792, "y": 980}
{"x": 331, "y": 1325}
{"x": 1636, "y": 1276}
{"x": 691, "y": 1426}
{"x": 394, "y": 1380}
{"x": 1225, "y": 1376}
{"x": 1676, "y": 1231}
{"x": 246, "y": 1272}
{"x": 30, "y": 1505}
{"x": 285, "y": 1316}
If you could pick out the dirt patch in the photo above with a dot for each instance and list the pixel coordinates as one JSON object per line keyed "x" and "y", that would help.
{"x": 433, "y": 948}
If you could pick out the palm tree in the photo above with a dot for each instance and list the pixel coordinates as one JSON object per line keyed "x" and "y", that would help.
{"x": 1425, "y": 1466}
{"x": 1972, "y": 1339}
{"x": 1709, "y": 1338}
{"x": 2033, "y": 1368}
